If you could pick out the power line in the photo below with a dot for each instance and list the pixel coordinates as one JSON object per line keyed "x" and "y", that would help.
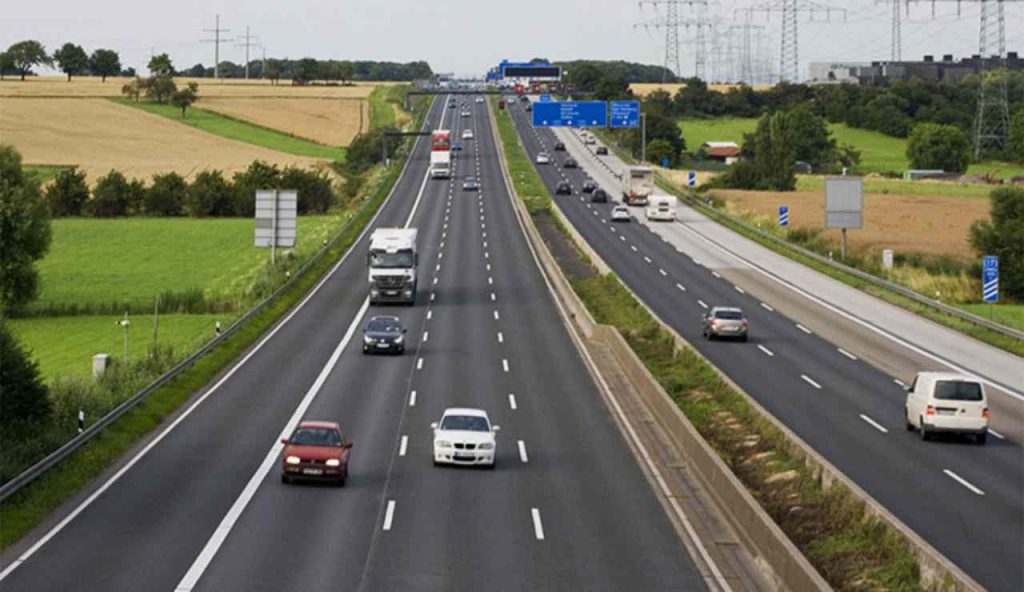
{"x": 789, "y": 57}
{"x": 248, "y": 43}
{"x": 671, "y": 23}
{"x": 216, "y": 41}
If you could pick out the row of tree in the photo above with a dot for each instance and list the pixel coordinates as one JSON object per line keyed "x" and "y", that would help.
{"x": 21, "y": 57}
{"x": 210, "y": 194}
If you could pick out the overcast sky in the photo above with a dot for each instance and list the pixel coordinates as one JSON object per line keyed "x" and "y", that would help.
{"x": 468, "y": 36}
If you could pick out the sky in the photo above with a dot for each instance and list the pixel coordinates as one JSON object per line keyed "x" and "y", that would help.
{"x": 469, "y": 36}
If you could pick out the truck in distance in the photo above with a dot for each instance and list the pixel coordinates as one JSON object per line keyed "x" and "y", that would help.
{"x": 391, "y": 263}
{"x": 440, "y": 140}
{"x": 440, "y": 165}
{"x": 638, "y": 184}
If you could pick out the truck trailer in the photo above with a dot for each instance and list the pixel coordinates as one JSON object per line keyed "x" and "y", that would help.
{"x": 638, "y": 184}
{"x": 391, "y": 262}
{"x": 440, "y": 165}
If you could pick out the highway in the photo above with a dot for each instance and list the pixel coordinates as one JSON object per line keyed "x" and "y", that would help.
{"x": 201, "y": 507}
{"x": 966, "y": 500}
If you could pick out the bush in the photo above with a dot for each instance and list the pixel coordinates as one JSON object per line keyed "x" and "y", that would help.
{"x": 742, "y": 174}
{"x": 660, "y": 150}
{"x": 259, "y": 175}
{"x": 68, "y": 193}
{"x": 111, "y": 196}
{"x": 209, "y": 195}
{"x": 136, "y": 196}
{"x": 936, "y": 146}
{"x": 314, "y": 188}
{"x": 166, "y": 196}
{"x": 1004, "y": 237}
{"x": 24, "y": 394}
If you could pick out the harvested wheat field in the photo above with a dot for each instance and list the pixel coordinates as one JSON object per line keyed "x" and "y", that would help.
{"x": 937, "y": 225}
{"x": 328, "y": 121}
{"x": 98, "y": 135}
{"x": 90, "y": 86}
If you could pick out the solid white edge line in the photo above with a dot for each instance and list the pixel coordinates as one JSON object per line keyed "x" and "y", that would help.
{"x": 766, "y": 351}
{"x": 403, "y": 446}
{"x": 522, "y": 452}
{"x": 874, "y": 424}
{"x": 538, "y": 527}
{"x": 810, "y": 381}
{"x": 963, "y": 482}
{"x": 412, "y": 399}
{"x": 389, "y": 516}
{"x": 846, "y": 353}
{"x": 512, "y": 401}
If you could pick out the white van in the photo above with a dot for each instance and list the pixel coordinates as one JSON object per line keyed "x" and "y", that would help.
{"x": 947, "y": 402}
{"x": 661, "y": 207}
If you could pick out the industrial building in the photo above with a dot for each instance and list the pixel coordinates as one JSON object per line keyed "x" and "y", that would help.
{"x": 930, "y": 69}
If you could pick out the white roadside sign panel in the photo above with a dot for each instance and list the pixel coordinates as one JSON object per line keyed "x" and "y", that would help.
{"x": 844, "y": 202}
{"x": 276, "y": 213}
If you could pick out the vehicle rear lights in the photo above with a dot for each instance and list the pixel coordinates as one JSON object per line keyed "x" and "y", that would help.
{"x": 984, "y": 413}
{"x": 930, "y": 410}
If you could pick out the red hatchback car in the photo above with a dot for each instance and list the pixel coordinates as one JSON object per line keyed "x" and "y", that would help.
{"x": 316, "y": 450}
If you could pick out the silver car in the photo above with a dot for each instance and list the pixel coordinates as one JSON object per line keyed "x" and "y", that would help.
{"x": 724, "y": 321}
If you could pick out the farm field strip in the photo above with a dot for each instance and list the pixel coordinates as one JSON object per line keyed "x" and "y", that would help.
{"x": 332, "y": 122}
{"x": 89, "y": 86}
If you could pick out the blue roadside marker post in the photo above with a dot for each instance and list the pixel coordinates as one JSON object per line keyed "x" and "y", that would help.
{"x": 990, "y": 281}
{"x": 784, "y": 217}
{"x": 691, "y": 179}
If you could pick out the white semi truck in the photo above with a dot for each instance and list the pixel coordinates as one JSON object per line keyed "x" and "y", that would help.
{"x": 440, "y": 164}
{"x": 637, "y": 185}
{"x": 391, "y": 262}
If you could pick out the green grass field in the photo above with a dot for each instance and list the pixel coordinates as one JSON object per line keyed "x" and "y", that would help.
{"x": 879, "y": 152}
{"x": 234, "y": 129}
{"x": 64, "y": 346}
{"x": 382, "y": 113}
{"x": 135, "y": 259}
{"x": 901, "y": 187}
{"x": 1011, "y": 315}
{"x": 43, "y": 173}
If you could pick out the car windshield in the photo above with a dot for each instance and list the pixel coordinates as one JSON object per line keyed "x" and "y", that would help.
{"x": 383, "y": 326}
{"x": 399, "y": 260}
{"x": 732, "y": 315}
{"x": 470, "y": 179}
{"x": 949, "y": 390}
{"x": 316, "y": 437}
{"x": 471, "y": 423}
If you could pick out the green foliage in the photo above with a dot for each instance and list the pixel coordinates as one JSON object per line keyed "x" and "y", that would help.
{"x": 259, "y": 175}
{"x": 184, "y": 98}
{"x": 612, "y": 87}
{"x": 659, "y": 150}
{"x": 132, "y": 89}
{"x": 307, "y": 69}
{"x": 812, "y": 142}
{"x": 936, "y": 146}
{"x": 6, "y": 64}
{"x": 315, "y": 193}
{"x": 579, "y": 73}
{"x": 166, "y": 196}
{"x": 104, "y": 62}
{"x": 160, "y": 65}
{"x": 209, "y": 195}
{"x": 68, "y": 193}
{"x": 159, "y": 88}
{"x": 1004, "y": 237}
{"x": 25, "y": 55}
{"x": 775, "y": 152}
{"x": 24, "y": 397}
{"x": 273, "y": 71}
{"x": 111, "y": 196}
{"x": 1016, "y": 147}
{"x": 71, "y": 59}
{"x": 25, "y": 228}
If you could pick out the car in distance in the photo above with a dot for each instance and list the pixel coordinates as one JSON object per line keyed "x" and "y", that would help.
{"x": 316, "y": 450}
{"x": 479, "y": 100}
{"x": 620, "y": 213}
{"x": 944, "y": 402}
{"x": 563, "y": 188}
{"x": 601, "y": 196}
{"x": 456, "y": 147}
{"x": 384, "y": 335}
{"x": 470, "y": 184}
{"x": 559, "y": 147}
{"x": 543, "y": 158}
{"x": 601, "y": 151}
{"x": 589, "y": 185}
{"x": 467, "y": 134}
{"x": 570, "y": 163}
{"x": 465, "y": 437}
{"x": 724, "y": 321}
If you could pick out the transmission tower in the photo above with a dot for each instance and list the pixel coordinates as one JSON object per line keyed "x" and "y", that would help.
{"x": 789, "y": 57}
{"x": 247, "y": 44}
{"x": 216, "y": 41}
{"x": 992, "y": 124}
{"x": 671, "y": 24}
{"x": 897, "y": 35}
{"x": 746, "y": 51}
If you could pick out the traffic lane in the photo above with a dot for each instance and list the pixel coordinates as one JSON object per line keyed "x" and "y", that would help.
{"x": 806, "y": 431}
{"x": 118, "y": 542}
{"x": 328, "y": 531}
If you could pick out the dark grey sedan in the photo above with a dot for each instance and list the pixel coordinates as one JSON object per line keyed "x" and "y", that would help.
{"x": 384, "y": 335}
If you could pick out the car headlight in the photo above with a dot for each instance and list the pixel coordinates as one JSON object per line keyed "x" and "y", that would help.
{"x": 486, "y": 446}
{"x": 442, "y": 444}
{"x": 400, "y": 339}
{"x": 292, "y": 460}
{"x": 333, "y": 462}
{"x": 367, "y": 339}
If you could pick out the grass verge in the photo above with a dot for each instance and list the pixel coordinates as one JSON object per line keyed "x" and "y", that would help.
{"x": 851, "y": 550}
{"x": 42, "y": 172}
{"x": 242, "y": 131}
{"x": 33, "y": 503}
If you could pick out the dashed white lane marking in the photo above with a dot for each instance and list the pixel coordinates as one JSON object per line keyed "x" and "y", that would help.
{"x": 802, "y": 328}
{"x": 432, "y": 296}
{"x": 739, "y": 289}
{"x": 681, "y": 287}
{"x": 810, "y": 381}
{"x": 426, "y": 336}
{"x": 522, "y": 452}
{"x": 496, "y": 316}
{"x": 647, "y": 259}
{"x": 874, "y": 424}
{"x": 493, "y": 297}
{"x": 435, "y": 281}
{"x": 766, "y": 307}
{"x": 702, "y": 304}
{"x": 490, "y": 281}
{"x": 402, "y": 447}
{"x": 633, "y": 247}
{"x": 504, "y": 364}
{"x": 487, "y": 255}
{"x": 996, "y": 434}
{"x": 440, "y": 255}
{"x": 488, "y": 267}
{"x": 412, "y": 399}
{"x": 963, "y": 482}
{"x": 622, "y": 237}
{"x": 389, "y": 515}
{"x": 430, "y": 314}
{"x": 438, "y": 268}
{"x": 512, "y": 401}
{"x": 538, "y": 528}
{"x": 501, "y": 338}
{"x": 847, "y": 354}
{"x": 766, "y": 351}
{"x": 662, "y": 272}
{"x": 419, "y": 364}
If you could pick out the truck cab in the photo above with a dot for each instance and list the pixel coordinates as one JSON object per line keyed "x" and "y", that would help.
{"x": 391, "y": 262}
{"x": 440, "y": 165}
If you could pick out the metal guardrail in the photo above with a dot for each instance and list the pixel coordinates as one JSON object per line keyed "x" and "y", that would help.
{"x": 30, "y": 474}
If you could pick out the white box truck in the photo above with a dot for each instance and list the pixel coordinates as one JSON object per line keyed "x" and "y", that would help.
{"x": 440, "y": 164}
{"x": 638, "y": 184}
{"x": 391, "y": 261}
{"x": 661, "y": 207}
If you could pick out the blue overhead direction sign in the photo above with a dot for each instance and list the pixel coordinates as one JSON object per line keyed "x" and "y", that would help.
{"x": 990, "y": 279}
{"x": 544, "y": 98}
{"x": 570, "y": 114}
{"x": 625, "y": 114}
{"x": 784, "y": 216}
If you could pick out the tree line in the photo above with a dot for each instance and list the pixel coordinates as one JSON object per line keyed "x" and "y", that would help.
{"x": 20, "y": 58}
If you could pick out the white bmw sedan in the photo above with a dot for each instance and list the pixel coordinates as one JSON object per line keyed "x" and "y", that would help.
{"x": 464, "y": 437}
